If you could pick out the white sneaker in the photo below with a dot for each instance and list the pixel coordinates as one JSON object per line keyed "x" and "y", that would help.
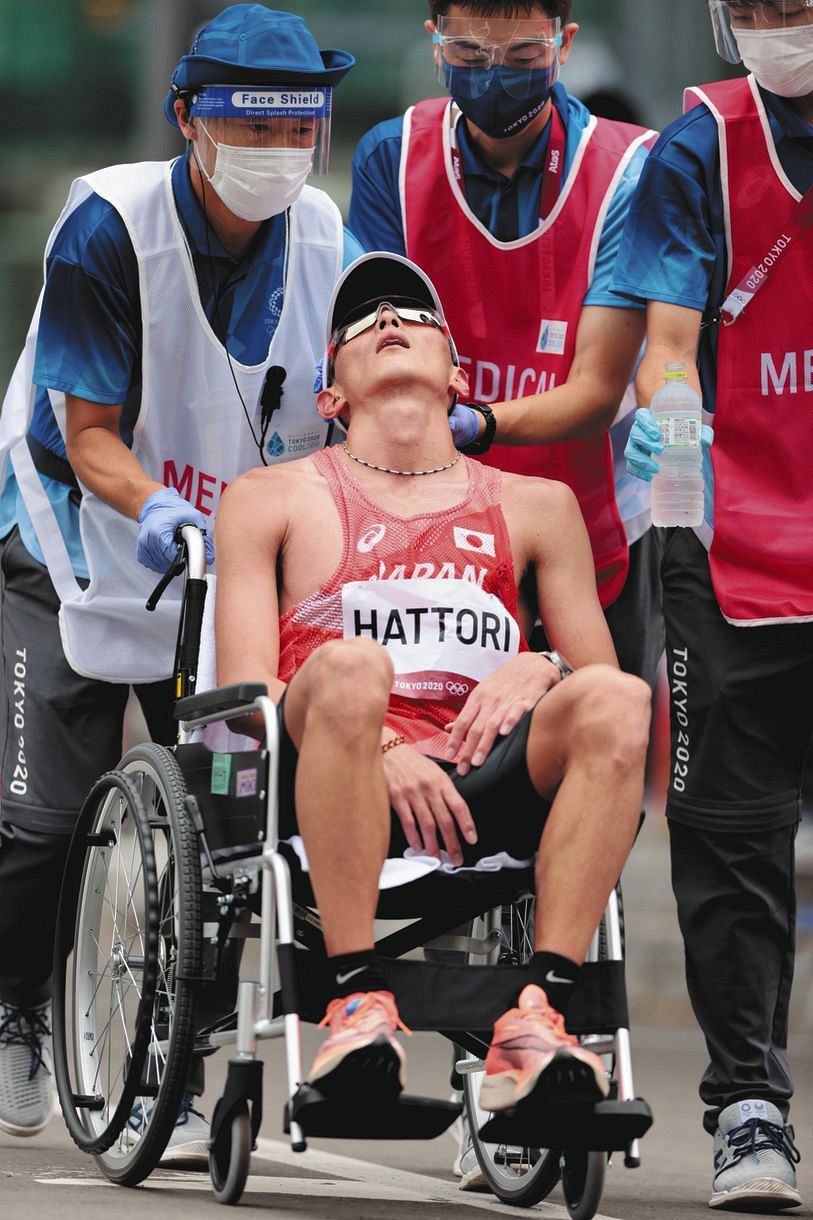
{"x": 27, "y": 1095}
{"x": 754, "y": 1159}
{"x": 466, "y": 1166}
{"x": 189, "y": 1142}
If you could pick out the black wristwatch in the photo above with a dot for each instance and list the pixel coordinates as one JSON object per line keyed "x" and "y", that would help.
{"x": 559, "y": 661}
{"x": 484, "y": 442}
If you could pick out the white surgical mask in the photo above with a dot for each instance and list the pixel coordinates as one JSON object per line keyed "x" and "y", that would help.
{"x": 781, "y": 60}
{"x": 257, "y": 183}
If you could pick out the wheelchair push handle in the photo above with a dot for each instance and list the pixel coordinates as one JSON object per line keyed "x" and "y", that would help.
{"x": 190, "y": 557}
{"x": 191, "y": 561}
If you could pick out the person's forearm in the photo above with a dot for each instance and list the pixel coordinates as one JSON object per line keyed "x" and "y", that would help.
{"x": 658, "y": 355}
{"x": 673, "y": 333}
{"x": 104, "y": 464}
{"x": 578, "y": 409}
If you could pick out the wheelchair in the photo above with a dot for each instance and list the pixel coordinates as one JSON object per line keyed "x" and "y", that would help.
{"x": 174, "y": 856}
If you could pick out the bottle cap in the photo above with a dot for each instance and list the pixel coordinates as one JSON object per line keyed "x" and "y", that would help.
{"x": 675, "y": 372}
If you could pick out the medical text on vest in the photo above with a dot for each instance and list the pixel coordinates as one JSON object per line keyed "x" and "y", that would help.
{"x": 497, "y": 383}
{"x": 795, "y": 373}
{"x": 195, "y": 486}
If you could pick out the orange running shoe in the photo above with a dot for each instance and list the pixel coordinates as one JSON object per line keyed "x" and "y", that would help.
{"x": 531, "y": 1050}
{"x": 361, "y": 1054}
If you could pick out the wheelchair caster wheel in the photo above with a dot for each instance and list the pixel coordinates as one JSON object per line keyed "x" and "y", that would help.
{"x": 583, "y": 1181}
{"x": 229, "y": 1158}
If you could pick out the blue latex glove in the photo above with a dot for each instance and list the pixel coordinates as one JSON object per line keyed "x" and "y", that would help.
{"x": 465, "y": 424}
{"x": 645, "y": 439}
{"x": 161, "y": 514}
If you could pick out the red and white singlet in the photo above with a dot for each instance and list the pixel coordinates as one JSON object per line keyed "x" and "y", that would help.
{"x": 436, "y": 590}
{"x": 514, "y": 307}
{"x": 761, "y": 555}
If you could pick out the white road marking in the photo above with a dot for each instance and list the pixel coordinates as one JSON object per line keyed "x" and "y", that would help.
{"x": 339, "y": 1177}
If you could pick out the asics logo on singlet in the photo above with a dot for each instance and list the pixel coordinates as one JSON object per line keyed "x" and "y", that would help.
{"x": 473, "y": 540}
{"x": 457, "y": 688}
{"x": 371, "y": 538}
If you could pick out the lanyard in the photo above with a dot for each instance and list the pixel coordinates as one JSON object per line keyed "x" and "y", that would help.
{"x": 554, "y": 163}
{"x": 758, "y": 276}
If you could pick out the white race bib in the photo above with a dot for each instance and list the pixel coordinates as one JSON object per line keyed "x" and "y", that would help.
{"x": 443, "y": 636}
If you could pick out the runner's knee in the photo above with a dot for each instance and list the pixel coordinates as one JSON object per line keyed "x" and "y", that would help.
{"x": 611, "y": 717}
{"x": 350, "y": 684}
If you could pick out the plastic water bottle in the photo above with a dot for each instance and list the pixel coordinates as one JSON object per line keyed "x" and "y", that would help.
{"x": 677, "y": 491}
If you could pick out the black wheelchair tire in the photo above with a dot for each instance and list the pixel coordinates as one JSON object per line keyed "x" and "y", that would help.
{"x": 230, "y": 1157}
{"x": 583, "y": 1175}
{"x": 156, "y": 771}
{"x": 87, "y": 1133}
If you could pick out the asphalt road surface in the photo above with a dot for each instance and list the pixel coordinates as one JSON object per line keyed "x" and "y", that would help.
{"x": 344, "y": 1180}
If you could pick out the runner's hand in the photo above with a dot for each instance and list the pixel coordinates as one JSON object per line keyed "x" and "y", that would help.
{"x": 496, "y": 706}
{"x": 427, "y": 802}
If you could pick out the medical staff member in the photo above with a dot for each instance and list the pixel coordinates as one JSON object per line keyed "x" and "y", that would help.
{"x": 513, "y": 197}
{"x": 719, "y": 245}
{"x": 173, "y": 347}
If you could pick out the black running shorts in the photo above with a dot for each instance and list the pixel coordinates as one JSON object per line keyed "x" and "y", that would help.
{"x": 508, "y": 812}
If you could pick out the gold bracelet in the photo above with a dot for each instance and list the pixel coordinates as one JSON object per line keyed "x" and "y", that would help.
{"x": 400, "y": 740}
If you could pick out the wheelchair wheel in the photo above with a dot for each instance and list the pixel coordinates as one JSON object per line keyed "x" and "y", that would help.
{"x": 151, "y": 1071}
{"x": 583, "y": 1181}
{"x": 230, "y": 1156}
{"x": 521, "y": 1176}
{"x": 103, "y": 997}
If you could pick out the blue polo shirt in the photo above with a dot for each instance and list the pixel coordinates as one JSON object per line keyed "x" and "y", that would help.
{"x": 89, "y": 339}
{"x": 508, "y": 207}
{"x": 674, "y": 247}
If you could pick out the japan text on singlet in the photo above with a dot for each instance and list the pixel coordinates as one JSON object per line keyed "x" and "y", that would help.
{"x": 437, "y": 590}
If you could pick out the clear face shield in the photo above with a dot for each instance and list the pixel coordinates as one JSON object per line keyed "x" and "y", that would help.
{"x": 741, "y": 25}
{"x": 258, "y": 146}
{"x": 472, "y": 52}
{"x": 257, "y": 119}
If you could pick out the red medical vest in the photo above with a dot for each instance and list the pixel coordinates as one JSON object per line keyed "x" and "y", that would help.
{"x": 761, "y": 554}
{"x": 514, "y": 307}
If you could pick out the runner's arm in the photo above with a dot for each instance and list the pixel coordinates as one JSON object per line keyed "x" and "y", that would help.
{"x": 252, "y": 521}
{"x": 560, "y": 553}
{"x": 549, "y": 534}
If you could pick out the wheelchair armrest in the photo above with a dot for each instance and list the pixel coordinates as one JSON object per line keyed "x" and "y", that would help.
{"x": 219, "y": 700}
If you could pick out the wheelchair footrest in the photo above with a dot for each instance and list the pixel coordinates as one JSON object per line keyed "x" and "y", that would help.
{"x": 607, "y": 1126}
{"x": 405, "y": 1118}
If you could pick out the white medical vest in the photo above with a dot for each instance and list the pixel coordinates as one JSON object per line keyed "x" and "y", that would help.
{"x": 191, "y": 430}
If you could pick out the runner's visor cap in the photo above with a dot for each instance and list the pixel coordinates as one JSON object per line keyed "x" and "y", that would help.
{"x": 262, "y": 117}
{"x": 271, "y": 57}
{"x": 373, "y": 280}
{"x": 730, "y": 17}
{"x": 523, "y": 53}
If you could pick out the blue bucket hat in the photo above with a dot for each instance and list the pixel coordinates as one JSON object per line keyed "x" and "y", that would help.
{"x": 249, "y": 44}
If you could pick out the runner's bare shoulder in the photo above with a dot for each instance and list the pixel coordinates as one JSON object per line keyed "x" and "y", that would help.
{"x": 268, "y": 493}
